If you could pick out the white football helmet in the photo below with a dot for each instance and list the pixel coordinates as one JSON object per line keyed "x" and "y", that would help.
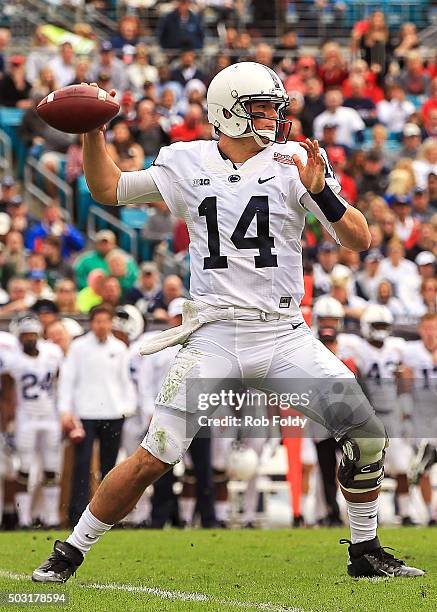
{"x": 242, "y": 462}
{"x": 128, "y": 320}
{"x": 229, "y": 97}
{"x": 376, "y": 314}
{"x": 27, "y": 324}
{"x": 328, "y": 307}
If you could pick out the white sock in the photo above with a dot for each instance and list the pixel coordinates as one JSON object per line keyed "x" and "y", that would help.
{"x": 363, "y": 520}
{"x": 23, "y": 502}
{"x": 186, "y": 508}
{"x": 87, "y": 531}
{"x": 50, "y": 495}
{"x": 404, "y": 504}
{"x": 222, "y": 511}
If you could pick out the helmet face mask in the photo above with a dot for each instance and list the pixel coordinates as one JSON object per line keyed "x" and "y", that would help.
{"x": 376, "y": 323}
{"x": 231, "y": 95}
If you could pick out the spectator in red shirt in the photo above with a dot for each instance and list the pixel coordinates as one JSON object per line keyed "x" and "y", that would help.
{"x": 372, "y": 89}
{"x": 191, "y": 128}
{"x": 431, "y": 103}
{"x": 333, "y": 70}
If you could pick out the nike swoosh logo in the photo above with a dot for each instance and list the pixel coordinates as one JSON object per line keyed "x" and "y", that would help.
{"x": 298, "y": 325}
{"x": 373, "y": 516}
{"x": 261, "y": 181}
{"x": 87, "y": 535}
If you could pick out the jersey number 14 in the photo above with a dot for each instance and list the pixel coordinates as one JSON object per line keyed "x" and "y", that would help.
{"x": 258, "y": 207}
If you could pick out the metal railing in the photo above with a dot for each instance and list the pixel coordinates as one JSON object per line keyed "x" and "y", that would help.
{"x": 96, "y": 213}
{"x": 35, "y": 170}
{"x": 5, "y": 153}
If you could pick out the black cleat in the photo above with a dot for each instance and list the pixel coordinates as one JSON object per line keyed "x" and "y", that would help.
{"x": 62, "y": 563}
{"x": 407, "y": 521}
{"x": 369, "y": 559}
{"x": 425, "y": 457}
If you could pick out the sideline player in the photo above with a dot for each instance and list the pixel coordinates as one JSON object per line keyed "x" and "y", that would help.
{"x": 244, "y": 199}
{"x": 32, "y": 370}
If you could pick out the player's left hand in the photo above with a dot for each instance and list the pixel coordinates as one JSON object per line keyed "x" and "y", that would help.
{"x": 312, "y": 175}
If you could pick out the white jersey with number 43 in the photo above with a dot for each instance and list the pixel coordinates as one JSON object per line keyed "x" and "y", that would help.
{"x": 245, "y": 224}
{"x": 35, "y": 379}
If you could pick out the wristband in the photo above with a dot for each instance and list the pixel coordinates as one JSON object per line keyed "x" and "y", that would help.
{"x": 331, "y": 206}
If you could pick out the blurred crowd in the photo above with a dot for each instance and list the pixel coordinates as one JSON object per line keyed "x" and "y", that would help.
{"x": 372, "y": 105}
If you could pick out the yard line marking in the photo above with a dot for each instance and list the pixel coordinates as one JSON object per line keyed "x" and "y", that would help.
{"x": 164, "y": 594}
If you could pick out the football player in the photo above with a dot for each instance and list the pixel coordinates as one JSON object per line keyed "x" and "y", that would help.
{"x": 244, "y": 198}
{"x": 421, "y": 358}
{"x": 32, "y": 371}
{"x": 380, "y": 358}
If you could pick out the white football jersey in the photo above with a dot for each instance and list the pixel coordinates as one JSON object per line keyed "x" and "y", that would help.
{"x": 377, "y": 367}
{"x": 8, "y": 344}
{"x": 35, "y": 379}
{"x": 245, "y": 224}
{"x": 420, "y": 360}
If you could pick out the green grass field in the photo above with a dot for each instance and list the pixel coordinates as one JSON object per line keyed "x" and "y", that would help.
{"x": 197, "y": 570}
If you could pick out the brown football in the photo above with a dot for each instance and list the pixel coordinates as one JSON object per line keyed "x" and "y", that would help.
{"x": 77, "y": 109}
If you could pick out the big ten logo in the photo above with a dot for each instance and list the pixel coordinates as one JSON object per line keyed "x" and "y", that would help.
{"x": 200, "y": 182}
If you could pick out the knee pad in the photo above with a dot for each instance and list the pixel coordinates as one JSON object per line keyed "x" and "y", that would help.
{"x": 166, "y": 438}
{"x": 23, "y": 478}
{"x": 362, "y": 466}
{"x": 50, "y": 479}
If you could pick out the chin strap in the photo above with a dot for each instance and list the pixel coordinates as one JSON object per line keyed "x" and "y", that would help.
{"x": 258, "y": 137}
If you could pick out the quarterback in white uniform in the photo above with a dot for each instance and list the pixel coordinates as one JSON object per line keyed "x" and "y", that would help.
{"x": 33, "y": 368}
{"x": 244, "y": 199}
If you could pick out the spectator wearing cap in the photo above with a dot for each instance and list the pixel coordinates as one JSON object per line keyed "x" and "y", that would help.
{"x": 38, "y": 285}
{"x": 7, "y": 269}
{"x": 194, "y": 93}
{"x": 314, "y": 104}
{"x": 63, "y": 64}
{"x": 127, "y": 154}
{"x": 117, "y": 261}
{"x": 360, "y": 102}
{"x": 14, "y": 88}
{"x": 401, "y": 272}
{"x": 8, "y": 191}
{"x": 349, "y": 124}
{"x": 172, "y": 288}
{"x": 368, "y": 279}
{"x": 47, "y": 312}
{"x": 395, "y": 110}
{"x": 421, "y": 206}
{"x": 141, "y": 70}
{"x": 426, "y": 162}
{"x": 105, "y": 241}
{"x": 91, "y": 294}
{"x": 66, "y": 297}
{"x": 425, "y": 262}
{"x": 57, "y": 267}
{"x": 146, "y": 288}
{"x": 181, "y": 28}
{"x": 191, "y": 128}
{"x": 18, "y": 211}
{"x": 385, "y": 296}
{"x": 52, "y": 224}
{"x": 411, "y": 140}
{"x": 406, "y": 226}
{"x": 327, "y": 259}
{"x": 15, "y": 252}
{"x": 374, "y": 177}
{"x": 107, "y": 63}
{"x": 187, "y": 69}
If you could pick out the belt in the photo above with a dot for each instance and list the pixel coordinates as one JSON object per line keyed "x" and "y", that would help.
{"x": 195, "y": 314}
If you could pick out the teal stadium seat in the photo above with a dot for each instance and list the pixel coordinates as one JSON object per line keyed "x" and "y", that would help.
{"x": 10, "y": 120}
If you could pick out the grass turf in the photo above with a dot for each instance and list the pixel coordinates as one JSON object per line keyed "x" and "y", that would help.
{"x": 300, "y": 569}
